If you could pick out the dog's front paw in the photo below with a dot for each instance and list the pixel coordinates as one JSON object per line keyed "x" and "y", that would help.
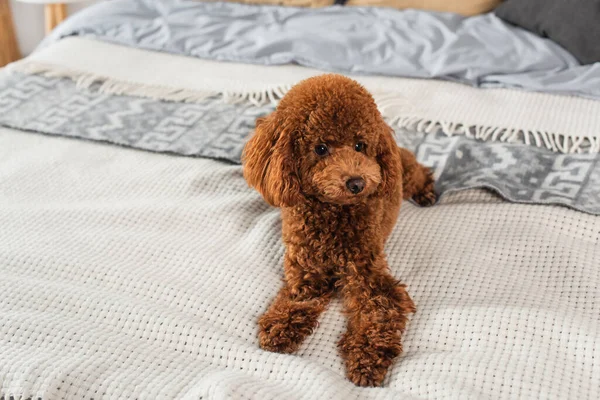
{"x": 285, "y": 325}
{"x": 369, "y": 355}
{"x": 366, "y": 375}
{"x": 279, "y": 336}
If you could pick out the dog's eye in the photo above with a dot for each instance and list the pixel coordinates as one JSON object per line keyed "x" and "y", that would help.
{"x": 360, "y": 146}
{"x": 321, "y": 149}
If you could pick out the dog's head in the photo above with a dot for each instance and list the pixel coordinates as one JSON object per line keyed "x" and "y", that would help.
{"x": 326, "y": 140}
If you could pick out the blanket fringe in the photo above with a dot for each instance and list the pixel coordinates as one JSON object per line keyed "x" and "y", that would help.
{"x": 555, "y": 142}
{"x": 395, "y": 109}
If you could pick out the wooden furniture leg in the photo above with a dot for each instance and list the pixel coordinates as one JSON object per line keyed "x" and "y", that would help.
{"x": 9, "y": 51}
{"x": 55, "y": 14}
{"x": 61, "y": 12}
{"x": 49, "y": 17}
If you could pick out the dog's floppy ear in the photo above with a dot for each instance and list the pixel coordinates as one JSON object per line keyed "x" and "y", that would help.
{"x": 268, "y": 160}
{"x": 388, "y": 156}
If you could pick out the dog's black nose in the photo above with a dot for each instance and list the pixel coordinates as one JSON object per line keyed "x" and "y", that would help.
{"x": 355, "y": 185}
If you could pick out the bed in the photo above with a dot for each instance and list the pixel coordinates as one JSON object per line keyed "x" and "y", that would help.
{"x": 135, "y": 260}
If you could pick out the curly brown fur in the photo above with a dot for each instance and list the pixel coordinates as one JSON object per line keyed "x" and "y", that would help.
{"x": 335, "y": 231}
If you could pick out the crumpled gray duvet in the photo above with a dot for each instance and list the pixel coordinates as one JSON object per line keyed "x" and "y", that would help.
{"x": 481, "y": 51}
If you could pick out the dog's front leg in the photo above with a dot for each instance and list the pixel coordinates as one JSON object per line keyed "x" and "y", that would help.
{"x": 294, "y": 313}
{"x": 377, "y": 307}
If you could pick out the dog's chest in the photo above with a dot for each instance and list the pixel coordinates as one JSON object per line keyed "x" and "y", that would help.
{"x": 332, "y": 234}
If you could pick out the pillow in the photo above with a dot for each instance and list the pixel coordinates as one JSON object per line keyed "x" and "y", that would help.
{"x": 291, "y": 3}
{"x": 464, "y": 7}
{"x": 573, "y": 24}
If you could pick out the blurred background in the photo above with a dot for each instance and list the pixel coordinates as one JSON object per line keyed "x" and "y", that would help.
{"x": 29, "y": 21}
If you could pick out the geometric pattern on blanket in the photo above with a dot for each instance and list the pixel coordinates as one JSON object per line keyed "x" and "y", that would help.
{"x": 132, "y": 275}
{"x": 518, "y": 173}
{"x": 218, "y": 130}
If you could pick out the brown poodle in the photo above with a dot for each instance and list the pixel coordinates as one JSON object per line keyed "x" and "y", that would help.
{"x": 328, "y": 159}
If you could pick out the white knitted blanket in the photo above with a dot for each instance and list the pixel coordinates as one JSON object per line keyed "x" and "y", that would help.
{"x": 127, "y": 274}
{"x": 560, "y": 123}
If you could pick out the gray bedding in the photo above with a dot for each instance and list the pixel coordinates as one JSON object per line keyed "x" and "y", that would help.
{"x": 214, "y": 129}
{"x": 481, "y": 51}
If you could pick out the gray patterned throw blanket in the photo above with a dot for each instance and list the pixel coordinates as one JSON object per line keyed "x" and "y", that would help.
{"x": 215, "y": 129}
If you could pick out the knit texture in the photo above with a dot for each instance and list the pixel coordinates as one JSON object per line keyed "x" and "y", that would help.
{"x": 127, "y": 274}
